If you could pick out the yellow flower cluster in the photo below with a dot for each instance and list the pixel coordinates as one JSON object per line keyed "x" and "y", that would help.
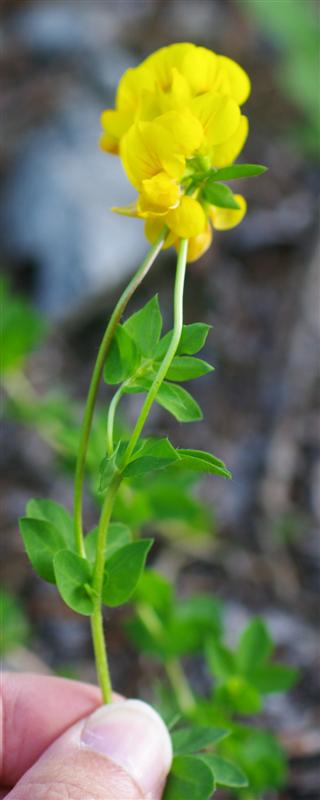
{"x": 177, "y": 115}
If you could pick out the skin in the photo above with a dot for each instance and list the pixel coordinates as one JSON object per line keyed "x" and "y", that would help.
{"x": 36, "y": 710}
{"x": 45, "y": 705}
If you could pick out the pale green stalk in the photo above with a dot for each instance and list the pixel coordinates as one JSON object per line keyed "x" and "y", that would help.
{"x": 173, "y": 668}
{"x": 96, "y": 618}
{"x": 94, "y": 386}
{"x": 172, "y": 349}
{"x": 111, "y": 414}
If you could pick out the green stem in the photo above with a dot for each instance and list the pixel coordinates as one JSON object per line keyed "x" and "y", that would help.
{"x": 180, "y": 685}
{"x": 107, "y": 508}
{"x": 98, "y": 573}
{"x": 100, "y": 654}
{"x": 111, "y": 414}
{"x": 99, "y": 644}
{"x": 172, "y": 666}
{"x": 172, "y": 349}
{"x": 94, "y": 386}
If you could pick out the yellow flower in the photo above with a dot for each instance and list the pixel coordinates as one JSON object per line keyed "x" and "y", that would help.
{"x": 167, "y": 80}
{"x": 159, "y": 146}
{"x": 178, "y": 115}
{"x": 156, "y": 154}
{"x": 225, "y": 218}
{"x": 190, "y": 221}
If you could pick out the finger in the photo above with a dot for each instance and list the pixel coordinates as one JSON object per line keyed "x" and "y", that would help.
{"x": 36, "y": 710}
{"x": 123, "y": 750}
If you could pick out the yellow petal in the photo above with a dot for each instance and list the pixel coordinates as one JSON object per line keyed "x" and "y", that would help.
{"x": 147, "y": 210}
{"x": 152, "y": 230}
{"x": 180, "y": 131}
{"x": 109, "y": 144}
{"x": 127, "y": 211}
{"x": 188, "y": 219}
{"x": 225, "y": 154}
{"x": 133, "y": 82}
{"x": 116, "y": 123}
{"x": 239, "y": 81}
{"x": 225, "y": 218}
{"x": 219, "y": 116}
{"x": 200, "y": 69}
{"x": 161, "y": 191}
{"x": 198, "y": 245}
{"x": 160, "y": 146}
{"x": 178, "y": 96}
{"x": 139, "y": 156}
{"x": 161, "y": 63}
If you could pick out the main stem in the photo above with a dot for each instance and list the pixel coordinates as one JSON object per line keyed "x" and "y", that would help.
{"x": 94, "y": 386}
{"x": 97, "y": 585}
{"x": 99, "y": 646}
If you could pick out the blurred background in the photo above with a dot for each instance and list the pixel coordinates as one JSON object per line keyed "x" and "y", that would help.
{"x": 64, "y": 259}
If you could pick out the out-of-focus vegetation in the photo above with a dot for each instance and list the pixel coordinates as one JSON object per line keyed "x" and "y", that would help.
{"x": 15, "y": 628}
{"x": 292, "y": 27}
{"x": 237, "y": 679}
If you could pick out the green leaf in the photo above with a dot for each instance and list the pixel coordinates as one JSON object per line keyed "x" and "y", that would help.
{"x": 224, "y": 772}
{"x": 203, "y": 613}
{"x": 170, "y": 501}
{"x": 187, "y": 741}
{"x": 123, "y": 571}
{"x": 237, "y": 171}
{"x": 15, "y": 628}
{"x": 118, "y": 536}
{"x": 144, "y": 327}
{"x": 219, "y": 195}
{"x": 193, "y": 338}
{"x": 220, "y": 660}
{"x": 255, "y": 646}
{"x": 156, "y": 591}
{"x": 108, "y": 469}
{"x": 260, "y": 756}
{"x": 273, "y": 678}
{"x": 42, "y": 541}
{"x": 199, "y": 461}
{"x": 243, "y": 697}
{"x": 154, "y": 455}
{"x": 73, "y": 577}
{"x": 123, "y": 357}
{"x": 178, "y": 402}
{"x": 56, "y": 514}
{"x": 190, "y": 779}
{"x": 22, "y": 329}
{"x": 186, "y": 368}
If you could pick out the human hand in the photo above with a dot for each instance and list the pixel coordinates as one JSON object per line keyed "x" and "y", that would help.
{"x": 59, "y": 743}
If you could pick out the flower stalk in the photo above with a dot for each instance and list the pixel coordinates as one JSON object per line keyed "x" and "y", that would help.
{"x": 100, "y": 648}
{"x": 119, "y": 309}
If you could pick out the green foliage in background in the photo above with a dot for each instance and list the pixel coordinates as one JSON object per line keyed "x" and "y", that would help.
{"x": 293, "y": 27}
{"x": 22, "y": 329}
{"x": 15, "y": 629}
{"x": 171, "y": 629}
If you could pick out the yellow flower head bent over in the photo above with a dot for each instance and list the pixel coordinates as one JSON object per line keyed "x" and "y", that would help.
{"x": 178, "y": 128}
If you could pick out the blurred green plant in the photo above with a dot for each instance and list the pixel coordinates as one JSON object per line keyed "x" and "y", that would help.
{"x": 294, "y": 28}
{"x": 212, "y": 747}
{"x": 22, "y": 329}
{"x": 170, "y": 630}
{"x": 15, "y": 629}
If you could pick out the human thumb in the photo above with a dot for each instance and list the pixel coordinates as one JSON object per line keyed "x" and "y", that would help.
{"x": 121, "y": 752}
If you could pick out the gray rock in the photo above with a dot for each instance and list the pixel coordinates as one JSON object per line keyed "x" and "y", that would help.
{"x": 57, "y": 210}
